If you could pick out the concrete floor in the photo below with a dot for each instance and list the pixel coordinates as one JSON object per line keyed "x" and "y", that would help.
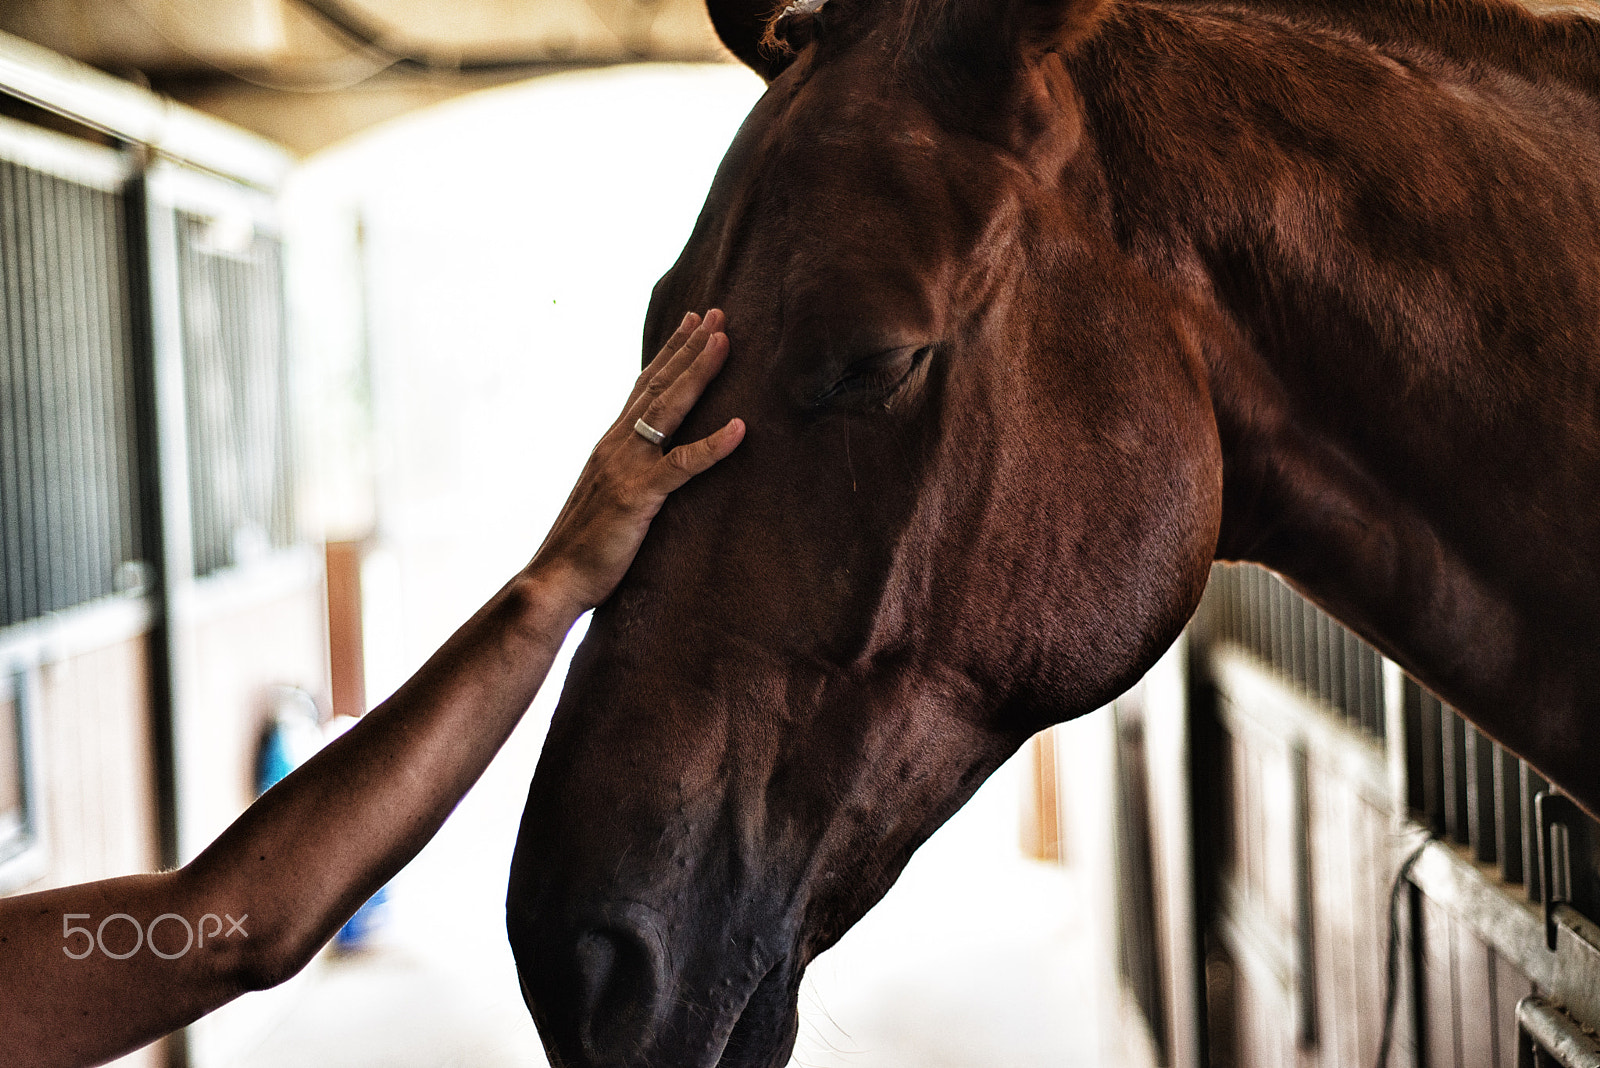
{"x": 974, "y": 960}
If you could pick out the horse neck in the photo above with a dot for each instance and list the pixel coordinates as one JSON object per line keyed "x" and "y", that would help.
{"x": 1499, "y": 34}
{"x": 1393, "y": 288}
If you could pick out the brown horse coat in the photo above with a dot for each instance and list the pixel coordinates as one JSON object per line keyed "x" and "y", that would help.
{"x": 1406, "y": 373}
{"x": 1036, "y": 308}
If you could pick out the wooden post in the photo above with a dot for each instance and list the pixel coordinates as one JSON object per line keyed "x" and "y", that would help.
{"x": 346, "y": 654}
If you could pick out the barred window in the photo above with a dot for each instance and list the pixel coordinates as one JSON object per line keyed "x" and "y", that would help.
{"x": 69, "y": 481}
{"x": 236, "y": 382}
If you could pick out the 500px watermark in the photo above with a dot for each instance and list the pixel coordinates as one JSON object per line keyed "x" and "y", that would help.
{"x": 146, "y": 935}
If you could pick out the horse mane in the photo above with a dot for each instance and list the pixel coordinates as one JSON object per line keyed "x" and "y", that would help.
{"x": 1560, "y": 43}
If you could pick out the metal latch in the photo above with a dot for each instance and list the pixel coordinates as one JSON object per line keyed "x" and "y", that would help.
{"x": 1547, "y": 1036}
{"x": 1549, "y": 810}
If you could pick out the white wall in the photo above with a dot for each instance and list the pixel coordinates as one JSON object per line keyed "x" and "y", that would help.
{"x": 511, "y": 241}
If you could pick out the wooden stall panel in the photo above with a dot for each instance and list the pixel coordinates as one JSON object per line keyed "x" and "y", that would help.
{"x": 1334, "y": 859}
{"x": 247, "y": 632}
{"x": 1355, "y": 744}
{"x": 1351, "y": 869}
{"x": 1257, "y": 890}
{"x": 1130, "y": 762}
{"x": 1171, "y": 759}
{"x": 11, "y": 792}
{"x": 1307, "y": 861}
{"x": 1087, "y": 754}
{"x": 1261, "y": 1039}
{"x": 1469, "y": 996}
{"x": 246, "y": 636}
{"x": 1510, "y": 987}
{"x": 97, "y": 784}
{"x": 1475, "y": 983}
{"x": 1280, "y": 832}
{"x": 1140, "y": 958}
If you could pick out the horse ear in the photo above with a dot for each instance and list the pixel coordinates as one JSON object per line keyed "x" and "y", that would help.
{"x": 741, "y": 24}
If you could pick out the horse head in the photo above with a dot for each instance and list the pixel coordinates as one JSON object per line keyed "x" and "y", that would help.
{"x": 979, "y": 494}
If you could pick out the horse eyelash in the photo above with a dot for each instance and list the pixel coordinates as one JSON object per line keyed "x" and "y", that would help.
{"x": 893, "y": 391}
{"x": 863, "y": 381}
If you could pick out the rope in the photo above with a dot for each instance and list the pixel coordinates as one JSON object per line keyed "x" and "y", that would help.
{"x": 1392, "y": 963}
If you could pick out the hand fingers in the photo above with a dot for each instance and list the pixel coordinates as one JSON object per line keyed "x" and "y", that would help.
{"x": 667, "y": 411}
{"x": 687, "y": 461}
{"x": 686, "y": 328}
{"x": 683, "y": 356}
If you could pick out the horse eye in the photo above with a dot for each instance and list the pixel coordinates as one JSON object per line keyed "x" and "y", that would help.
{"x": 878, "y": 376}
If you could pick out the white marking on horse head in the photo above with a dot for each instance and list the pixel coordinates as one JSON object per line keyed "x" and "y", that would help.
{"x": 802, "y": 7}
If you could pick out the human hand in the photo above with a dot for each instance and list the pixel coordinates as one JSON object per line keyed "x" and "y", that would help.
{"x": 627, "y": 479}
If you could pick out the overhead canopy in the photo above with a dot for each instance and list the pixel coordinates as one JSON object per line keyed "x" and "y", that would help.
{"x": 310, "y": 72}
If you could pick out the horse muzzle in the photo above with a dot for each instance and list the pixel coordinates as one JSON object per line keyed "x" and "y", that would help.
{"x": 622, "y": 985}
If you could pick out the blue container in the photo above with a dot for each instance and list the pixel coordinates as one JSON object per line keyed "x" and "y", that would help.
{"x": 292, "y": 737}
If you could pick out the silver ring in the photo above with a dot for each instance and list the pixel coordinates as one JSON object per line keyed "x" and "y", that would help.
{"x": 648, "y": 432}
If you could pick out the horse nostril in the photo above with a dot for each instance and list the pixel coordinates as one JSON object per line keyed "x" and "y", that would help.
{"x": 620, "y": 994}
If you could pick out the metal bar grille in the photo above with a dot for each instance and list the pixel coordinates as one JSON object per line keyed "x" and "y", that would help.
{"x": 1462, "y": 786}
{"x": 1474, "y": 792}
{"x": 69, "y": 491}
{"x": 1252, "y": 608}
{"x": 237, "y": 391}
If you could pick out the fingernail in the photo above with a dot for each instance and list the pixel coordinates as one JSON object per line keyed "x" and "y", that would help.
{"x": 688, "y": 317}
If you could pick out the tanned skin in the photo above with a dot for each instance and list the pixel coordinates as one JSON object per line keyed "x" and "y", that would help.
{"x": 296, "y": 872}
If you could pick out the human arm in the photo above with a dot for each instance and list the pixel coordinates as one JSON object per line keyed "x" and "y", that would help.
{"x": 300, "y": 860}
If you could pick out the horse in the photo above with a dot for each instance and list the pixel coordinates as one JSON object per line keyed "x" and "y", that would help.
{"x": 1037, "y": 308}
